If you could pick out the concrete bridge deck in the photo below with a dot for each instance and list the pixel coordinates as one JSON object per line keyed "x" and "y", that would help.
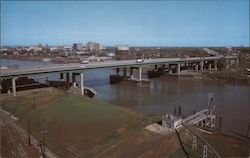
{"x": 55, "y": 68}
{"x": 72, "y": 69}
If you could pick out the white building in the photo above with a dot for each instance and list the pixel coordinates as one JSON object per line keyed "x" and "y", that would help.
{"x": 92, "y": 46}
{"x": 170, "y": 121}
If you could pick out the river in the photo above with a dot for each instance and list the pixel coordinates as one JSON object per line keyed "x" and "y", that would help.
{"x": 162, "y": 94}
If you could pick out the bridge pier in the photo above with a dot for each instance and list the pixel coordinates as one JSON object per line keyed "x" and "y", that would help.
{"x": 155, "y": 67}
{"x": 170, "y": 69}
{"x": 67, "y": 80}
{"x": 201, "y": 65}
{"x": 61, "y": 76}
{"x": 14, "y": 86}
{"x": 81, "y": 83}
{"x": 117, "y": 71}
{"x": 74, "y": 79}
{"x": 125, "y": 72}
{"x": 178, "y": 69}
{"x": 196, "y": 66}
{"x": 215, "y": 65}
{"x": 163, "y": 67}
{"x": 209, "y": 66}
{"x": 131, "y": 73}
{"x": 140, "y": 73}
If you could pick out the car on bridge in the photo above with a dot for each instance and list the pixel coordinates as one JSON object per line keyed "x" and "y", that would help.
{"x": 139, "y": 60}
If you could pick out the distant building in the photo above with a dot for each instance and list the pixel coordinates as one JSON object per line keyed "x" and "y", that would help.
{"x": 34, "y": 48}
{"x": 98, "y": 47}
{"x": 77, "y": 46}
{"x": 91, "y": 46}
{"x": 122, "y": 52}
{"x": 53, "y": 48}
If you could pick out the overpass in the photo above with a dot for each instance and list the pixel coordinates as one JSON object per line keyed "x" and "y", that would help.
{"x": 77, "y": 69}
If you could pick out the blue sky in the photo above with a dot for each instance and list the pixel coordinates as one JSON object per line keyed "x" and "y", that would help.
{"x": 135, "y": 23}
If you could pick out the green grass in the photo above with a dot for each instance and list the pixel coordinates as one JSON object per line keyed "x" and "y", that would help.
{"x": 85, "y": 125}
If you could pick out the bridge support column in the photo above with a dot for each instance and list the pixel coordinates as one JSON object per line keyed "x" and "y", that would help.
{"x": 209, "y": 66}
{"x": 70, "y": 77}
{"x": 14, "y": 86}
{"x": 185, "y": 66}
{"x": 163, "y": 67}
{"x": 155, "y": 67}
{"x": 140, "y": 73}
{"x": 61, "y": 76}
{"x": 170, "y": 69}
{"x": 81, "y": 83}
{"x": 117, "y": 71}
{"x": 74, "y": 79}
{"x": 131, "y": 73}
{"x": 196, "y": 66}
{"x": 215, "y": 65}
{"x": 67, "y": 80}
{"x": 178, "y": 69}
{"x": 125, "y": 72}
{"x": 201, "y": 65}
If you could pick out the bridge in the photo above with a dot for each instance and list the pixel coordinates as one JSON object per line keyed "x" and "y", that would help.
{"x": 71, "y": 70}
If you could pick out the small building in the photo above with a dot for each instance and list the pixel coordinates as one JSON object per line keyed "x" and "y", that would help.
{"x": 171, "y": 121}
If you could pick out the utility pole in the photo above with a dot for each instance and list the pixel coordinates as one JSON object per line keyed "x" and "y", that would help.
{"x": 34, "y": 102}
{"x": 220, "y": 122}
{"x": 41, "y": 147}
{"x": 194, "y": 145}
{"x": 43, "y": 131}
{"x": 29, "y": 132}
{"x": 204, "y": 155}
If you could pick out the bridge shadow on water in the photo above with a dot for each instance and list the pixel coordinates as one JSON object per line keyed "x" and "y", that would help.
{"x": 97, "y": 83}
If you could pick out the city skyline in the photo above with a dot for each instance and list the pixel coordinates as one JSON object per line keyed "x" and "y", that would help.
{"x": 134, "y": 23}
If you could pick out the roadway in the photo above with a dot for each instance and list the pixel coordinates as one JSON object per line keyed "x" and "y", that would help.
{"x": 56, "y": 68}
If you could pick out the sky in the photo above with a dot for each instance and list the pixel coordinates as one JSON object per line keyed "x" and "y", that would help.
{"x": 134, "y": 23}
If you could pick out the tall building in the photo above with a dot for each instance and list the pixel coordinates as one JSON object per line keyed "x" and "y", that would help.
{"x": 122, "y": 52}
{"x": 98, "y": 46}
{"x": 91, "y": 46}
{"x": 77, "y": 46}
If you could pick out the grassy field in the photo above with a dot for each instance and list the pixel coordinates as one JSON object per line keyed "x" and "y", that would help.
{"x": 75, "y": 125}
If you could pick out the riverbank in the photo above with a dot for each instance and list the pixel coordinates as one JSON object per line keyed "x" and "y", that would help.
{"x": 75, "y": 125}
{"x": 227, "y": 77}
